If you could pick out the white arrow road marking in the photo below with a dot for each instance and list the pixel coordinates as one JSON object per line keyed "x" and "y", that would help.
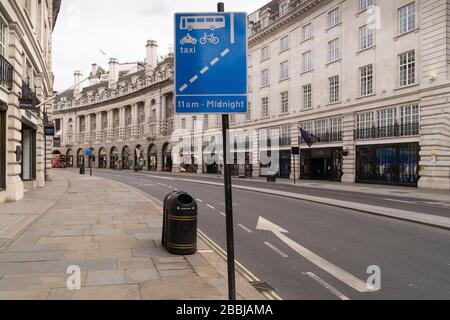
{"x": 271, "y": 246}
{"x": 342, "y": 275}
{"x": 327, "y": 286}
{"x": 245, "y": 228}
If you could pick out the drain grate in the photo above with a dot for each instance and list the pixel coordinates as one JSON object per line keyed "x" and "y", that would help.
{"x": 262, "y": 286}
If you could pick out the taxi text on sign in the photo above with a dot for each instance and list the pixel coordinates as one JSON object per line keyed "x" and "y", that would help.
{"x": 211, "y": 62}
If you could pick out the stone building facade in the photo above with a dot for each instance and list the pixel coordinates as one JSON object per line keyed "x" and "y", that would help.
{"x": 125, "y": 115}
{"x": 369, "y": 79}
{"x": 26, "y": 83}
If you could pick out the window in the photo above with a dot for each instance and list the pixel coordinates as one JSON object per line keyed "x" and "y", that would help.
{"x": 194, "y": 122}
{"x": 334, "y": 90}
{"x": 366, "y": 74}
{"x": 320, "y": 128}
{"x": 407, "y": 17}
{"x": 232, "y": 118}
{"x": 334, "y": 17}
{"x": 265, "y": 77}
{"x": 336, "y": 129}
{"x": 218, "y": 120}
{"x": 307, "y": 61}
{"x": 364, "y": 4}
{"x": 333, "y": 50}
{"x": 407, "y": 68}
{"x": 205, "y": 121}
{"x": 364, "y": 124}
{"x": 285, "y": 102}
{"x": 265, "y": 53}
{"x": 285, "y": 138}
{"x": 248, "y": 115}
{"x": 284, "y": 43}
{"x": 366, "y": 37}
{"x": 307, "y": 96}
{"x": 386, "y": 118}
{"x": 307, "y": 32}
{"x": 410, "y": 114}
{"x": 265, "y": 107}
{"x": 410, "y": 120}
{"x": 284, "y": 9}
{"x": 264, "y": 21}
{"x": 2, "y": 38}
{"x": 284, "y": 70}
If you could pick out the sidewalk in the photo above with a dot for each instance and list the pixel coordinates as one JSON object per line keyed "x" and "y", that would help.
{"x": 112, "y": 232}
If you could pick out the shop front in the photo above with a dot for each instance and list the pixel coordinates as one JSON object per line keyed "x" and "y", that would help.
{"x": 102, "y": 159}
{"x": 167, "y": 158}
{"x": 28, "y": 151}
{"x": 282, "y": 169}
{"x": 152, "y": 158}
{"x": 126, "y": 159}
{"x": 80, "y": 158}
{"x": 321, "y": 164}
{"x": 69, "y": 159}
{"x": 114, "y": 158}
{"x": 396, "y": 164}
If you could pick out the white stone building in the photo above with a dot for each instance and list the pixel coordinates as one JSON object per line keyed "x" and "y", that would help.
{"x": 368, "y": 78}
{"x": 26, "y": 81}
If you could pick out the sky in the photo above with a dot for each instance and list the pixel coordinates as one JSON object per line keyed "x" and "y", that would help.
{"x": 93, "y": 31}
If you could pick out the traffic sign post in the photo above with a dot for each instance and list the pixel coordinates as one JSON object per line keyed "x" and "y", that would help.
{"x": 211, "y": 77}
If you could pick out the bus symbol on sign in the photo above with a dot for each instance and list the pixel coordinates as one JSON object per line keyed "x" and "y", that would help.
{"x": 202, "y": 23}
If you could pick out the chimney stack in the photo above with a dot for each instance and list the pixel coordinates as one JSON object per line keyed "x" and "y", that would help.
{"x": 113, "y": 71}
{"x": 93, "y": 79}
{"x": 152, "y": 54}
{"x": 77, "y": 85}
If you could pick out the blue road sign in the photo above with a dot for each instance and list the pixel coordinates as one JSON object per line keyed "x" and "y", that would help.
{"x": 89, "y": 152}
{"x": 211, "y": 62}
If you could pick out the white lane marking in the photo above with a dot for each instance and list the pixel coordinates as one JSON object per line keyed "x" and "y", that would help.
{"x": 401, "y": 201}
{"x": 184, "y": 87}
{"x": 211, "y": 207}
{"x": 223, "y": 214}
{"x": 341, "y": 274}
{"x": 271, "y": 246}
{"x": 327, "y": 286}
{"x": 214, "y": 61}
{"x": 193, "y": 79}
{"x": 245, "y": 228}
{"x": 199, "y": 200}
{"x": 162, "y": 184}
{"x": 225, "y": 52}
{"x": 203, "y": 71}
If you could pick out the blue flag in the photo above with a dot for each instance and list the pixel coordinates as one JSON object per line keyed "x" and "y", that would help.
{"x": 308, "y": 137}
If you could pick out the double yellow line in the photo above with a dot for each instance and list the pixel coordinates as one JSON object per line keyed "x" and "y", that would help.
{"x": 249, "y": 276}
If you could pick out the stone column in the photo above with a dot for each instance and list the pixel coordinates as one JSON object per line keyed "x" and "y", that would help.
{"x": 349, "y": 161}
{"x": 295, "y": 159}
{"x": 163, "y": 113}
{"x": 99, "y": 127}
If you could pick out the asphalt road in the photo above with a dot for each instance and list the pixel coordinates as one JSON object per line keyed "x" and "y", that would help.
{"x": 328, "y": 250}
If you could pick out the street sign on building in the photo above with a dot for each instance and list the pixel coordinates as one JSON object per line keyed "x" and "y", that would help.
{"x": 211, "y": 62}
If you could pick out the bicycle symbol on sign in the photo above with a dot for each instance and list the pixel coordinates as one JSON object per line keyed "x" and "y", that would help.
{"x": 209, "y": 37}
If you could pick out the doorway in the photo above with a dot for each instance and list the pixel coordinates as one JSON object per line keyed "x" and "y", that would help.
{"x": 28, "y": 153}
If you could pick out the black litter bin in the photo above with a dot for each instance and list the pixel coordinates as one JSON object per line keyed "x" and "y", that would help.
{"x": 180, "y": 224}
{"x": 82, "y": 170}
{"x": 271, "y": 178}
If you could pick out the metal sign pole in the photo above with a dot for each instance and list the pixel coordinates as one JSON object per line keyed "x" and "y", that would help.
{"x": 45, "y": 157}
{"x": 228, "y": 199}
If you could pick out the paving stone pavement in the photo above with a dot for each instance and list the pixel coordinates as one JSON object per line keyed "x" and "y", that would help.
{"x": 112, "y": 233}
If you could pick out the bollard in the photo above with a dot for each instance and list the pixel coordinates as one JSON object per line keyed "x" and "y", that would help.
{"x": 180, "y": 229}
{"x": 82, "y": 170}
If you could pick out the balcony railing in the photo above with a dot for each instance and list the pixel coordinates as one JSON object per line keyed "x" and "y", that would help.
{"x": 28, "y": 98}
{"x": 326, "y": 138}
{"x": 6, "y": 73}
{"x": 388, "y": 132}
